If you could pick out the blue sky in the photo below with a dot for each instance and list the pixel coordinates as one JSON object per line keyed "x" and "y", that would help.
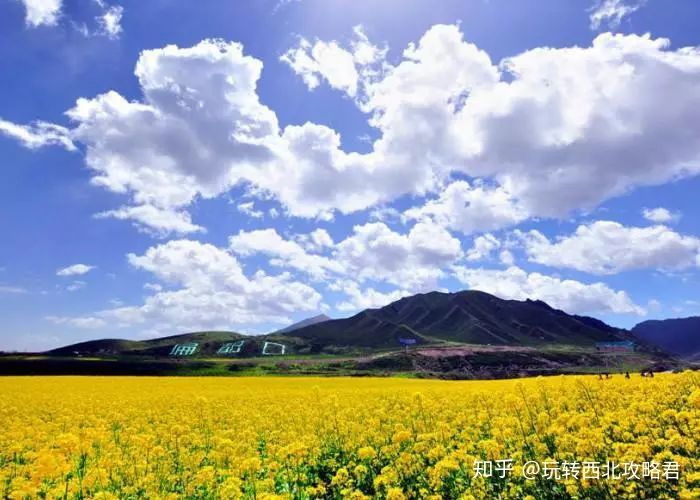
{"x": 173, "y": 166}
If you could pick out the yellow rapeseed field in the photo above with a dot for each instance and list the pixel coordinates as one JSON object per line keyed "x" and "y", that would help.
{"x": 112, "y": 437}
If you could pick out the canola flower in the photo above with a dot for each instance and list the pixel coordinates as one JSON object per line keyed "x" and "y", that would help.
{"x": 267, "y": 438}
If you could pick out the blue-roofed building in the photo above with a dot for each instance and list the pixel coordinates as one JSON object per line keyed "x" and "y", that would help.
{"x": 184, "y": 349}
{"x": 618, "y": 346}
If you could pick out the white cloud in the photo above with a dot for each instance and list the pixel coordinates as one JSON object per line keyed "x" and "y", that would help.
{"x": 552, "y": 136}
{"x": 385, "y": 214}
{"x": 612, "y": 12}
{"x": 210, "y": 290}
{"x": 48, "y": 13}
{"x": 373, "y": 252}
{"x": 283, "y": 253}
{"x": 248, "y": 208}
{"x": 555, "y": 133}
{"x": 38, "y": 134}
{"x": 468, "y": 209}
{"x": 543, "y": 126}
{"x": 154, "y": 220}
{"x": 75, "y": 270}
{"x": 343, "y": 69}
{"x": 661, "y": 215}
{"x": 200, "y": 119}
{"x": 191, "y": 264}
{"x": 317, "y": 240}
{"x": 483, "y": 246}
{"x": 541, "y": 134}
{"x": 42, "y": 12}
{"x": 320, "y": 238}
{"x": 326, "y": 60}
{"x": 605, "y": 247}
{"x": 109, "y": 21}
{"x": 506, "y": 257}
{"x": 11, "y": 289}
{"x": 364, "y": 298}
{"x": 569, "y": 295}
{"x": 413, "y": 261}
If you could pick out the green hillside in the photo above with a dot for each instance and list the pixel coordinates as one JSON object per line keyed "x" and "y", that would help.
{"x": 209, "y": 344}
{"x": 469, "y": 317}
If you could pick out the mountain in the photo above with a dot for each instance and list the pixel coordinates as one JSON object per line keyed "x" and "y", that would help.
{"x": 305, "y": 322}
{"x": 435, "y": 318}
{"x": 209, "y": 341}
{"x": 208, "y": 345}
{"x": 470, "y": 317}
{"x": 676, "y": 336}
{"x": 468, "y": 334}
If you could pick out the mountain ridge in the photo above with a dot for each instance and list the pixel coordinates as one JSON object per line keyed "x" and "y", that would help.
{"x": 319, "y": 318}
{"x": 678, "y": 336}
{"x": 468, "y": 317}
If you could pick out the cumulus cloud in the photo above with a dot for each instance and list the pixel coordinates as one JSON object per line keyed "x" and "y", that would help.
{"x": 282, "y": 252}
{"x": 75, "y": 270}
{"x": 42, "y": 12}
{"x": 483, "y": 246}
{"x": 207, "y": 288}
{"x": 413, "y": 261}
{"x": 540, "y": 134}
{"x": 569, "y": 295}
{"x": 342, "y": 69}
{"x": 610, "y": 13}
{"x": 661, "y": 215}
{"x": 561, "y": 157}
{"x": 468, "y": 209}
{"x": 364, "y": 298}
{"x": 199, "y": 120}
{"x": 373, "y": 252}
{"x": 323, "y": 60}
{"x": 605, "y": 247}
{"x": 546, "y": 124}
{"x": 319, "y": 238}
{"x": 506, "y": 257}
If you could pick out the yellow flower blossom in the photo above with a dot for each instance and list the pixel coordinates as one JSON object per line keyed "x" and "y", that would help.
{"x": 245, "y": 438}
